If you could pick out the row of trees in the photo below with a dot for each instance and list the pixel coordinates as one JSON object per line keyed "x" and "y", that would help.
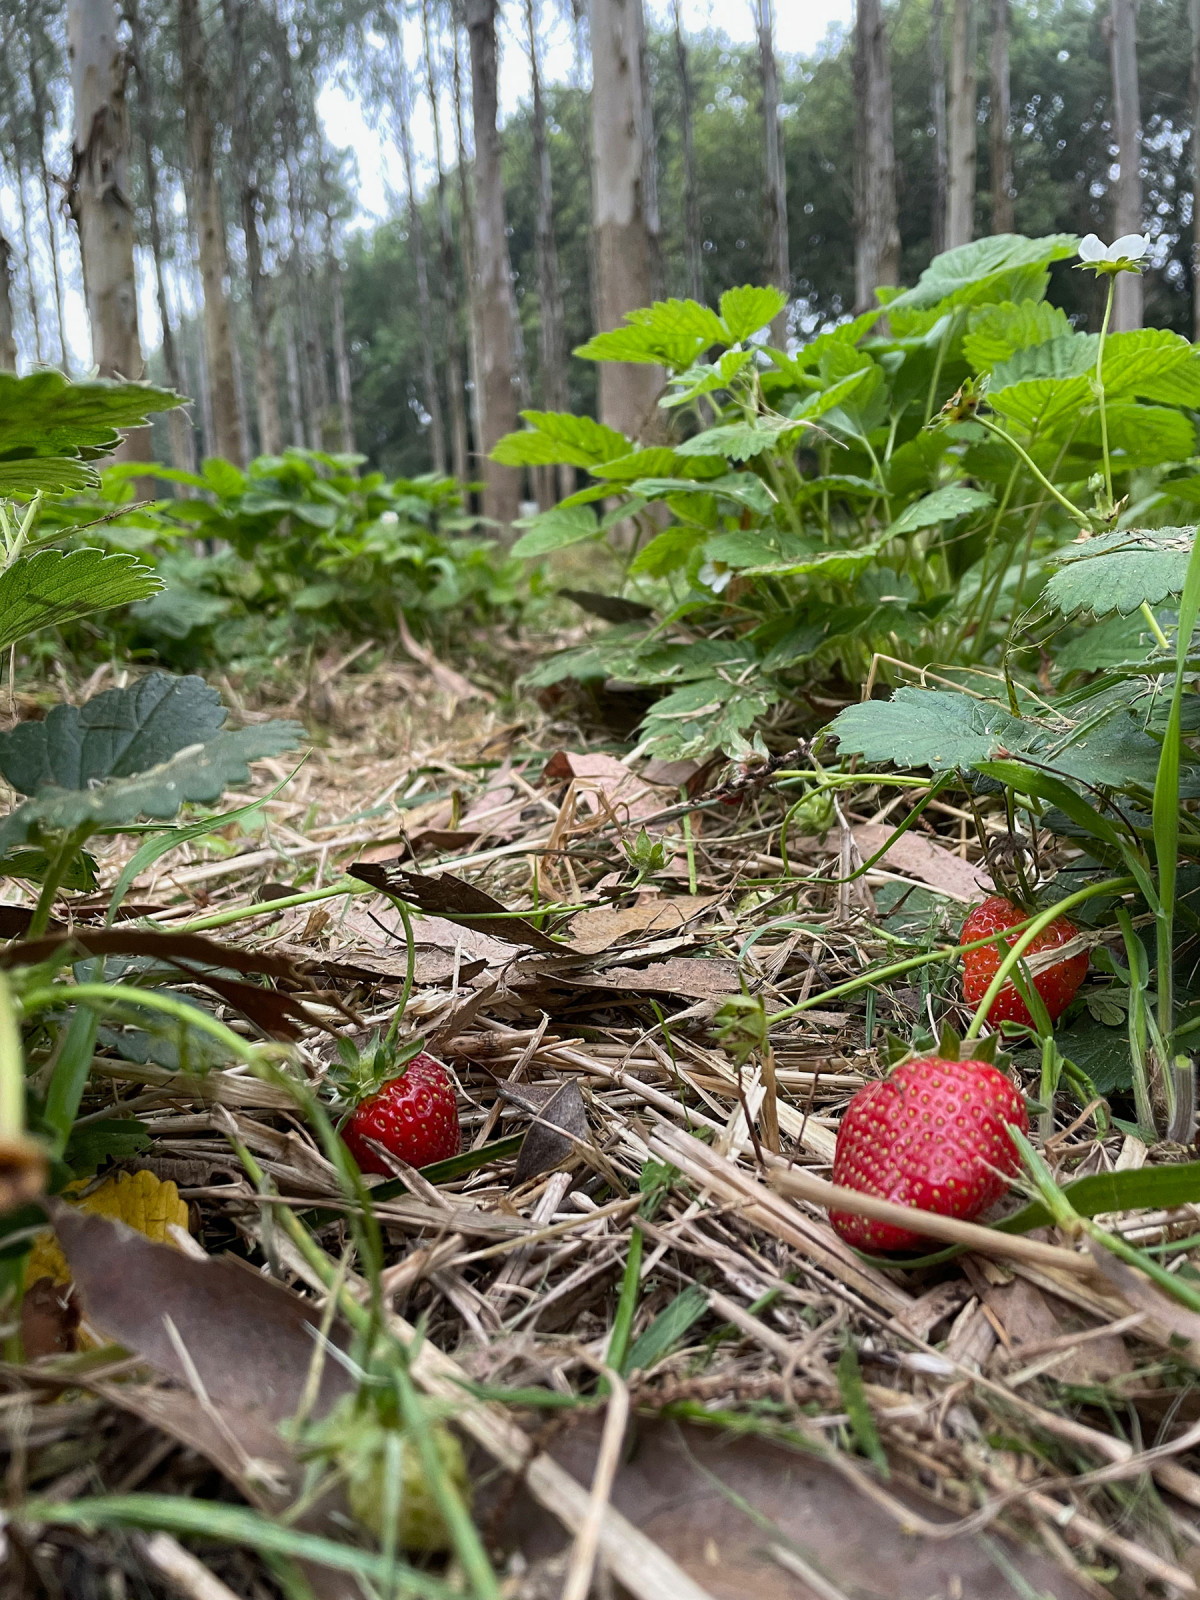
{"x": 196, "y": 134}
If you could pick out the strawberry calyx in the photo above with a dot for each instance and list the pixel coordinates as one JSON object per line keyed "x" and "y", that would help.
{"x": 361, "y": 1070}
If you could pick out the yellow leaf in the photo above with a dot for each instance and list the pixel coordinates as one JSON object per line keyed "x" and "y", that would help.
{"x": 139, "y": 1199}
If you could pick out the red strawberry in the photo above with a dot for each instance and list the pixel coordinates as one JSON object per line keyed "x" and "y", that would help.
{"x": 1056, "y": 985}
{"x": 933, "y": 1135}
{"x": 415, "y": 1116}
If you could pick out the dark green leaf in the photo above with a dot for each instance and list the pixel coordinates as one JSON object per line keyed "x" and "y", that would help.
{"x": 1120, "y": 571}
{"x": 51, "y": 587}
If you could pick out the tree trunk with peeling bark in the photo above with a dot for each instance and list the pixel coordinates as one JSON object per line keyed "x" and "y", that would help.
{"x": 960, "y": 175}
{"x": 1121, "y": 28}
{"x": 937, "y": 110}
{"x": 98, "y": 196}
{"x": 402, "y": 111}
{"x": 1000, "y": 116}
{"x": 552, "y": 352}
{"x": 266, "y": 385}
{"x": 341, "y": 353}
{"x": 179, "y": 424}
{"x": 210, "y": 234}
{"x": 8, "y": 342}
{"x": 447, "y": 271}
{"x": 693, "y": 245}
{"x": 876, "y": 225}
{"x": 779, "y": 270}
{"x": 624, "y": 252}
{"x": 467, "y": 212}
{"x": 495, "y": 308}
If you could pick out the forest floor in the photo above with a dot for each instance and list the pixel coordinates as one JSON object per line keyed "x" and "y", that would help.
{"x": 673, "y": 1378}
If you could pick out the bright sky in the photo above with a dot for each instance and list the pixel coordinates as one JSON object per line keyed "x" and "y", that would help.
{"x": 800, "y": 27}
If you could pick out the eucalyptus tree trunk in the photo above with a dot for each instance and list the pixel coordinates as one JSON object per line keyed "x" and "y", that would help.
{"x": 650, "y": 165}
{"x": 447, "y": 270}
{"x": 98, "y": 196}
{"x": 179, "y": 424}
{"x": 1000, "y": 114}
{"x": 1194, "y": 16}
{"x": 693, "y": 251}
{"x": 27, "y": 251}
{"x": 210, "y": 235}
{"x": 266, "y": 387}
{"x": 341, "y": 353}
{"x": 779, "y": 270}
{"x": 467, "y": 235}
{"x": 960, "y": 184}
{"x": 295, "y": 393}
{"x": 552, "y": 353}
{"x": 876, "y": 227}
{"x": 1126, "y": 122}
{"x": 401, "y": 109}
{"x": 495, "y": 309}
{"x": 8, "y": 343}
{"x": 937, "y": 112}
{"x": 624, "y": 253}
{"x": 41, "y": 113}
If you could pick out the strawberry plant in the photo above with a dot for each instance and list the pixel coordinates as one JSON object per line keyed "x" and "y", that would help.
{"x": 301, "y": 547}
{"x": 891, "y": 491}
{"x": 1100, "y": 755}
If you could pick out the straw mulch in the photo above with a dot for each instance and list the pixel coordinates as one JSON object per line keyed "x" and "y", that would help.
{"x": 1025, "y": 1405}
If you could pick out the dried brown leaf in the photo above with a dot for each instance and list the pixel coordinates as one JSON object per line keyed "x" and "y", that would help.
{"x": 454, "y": 898}
{"x": 914, "y": 856}
{"x": 553, "y": 1109}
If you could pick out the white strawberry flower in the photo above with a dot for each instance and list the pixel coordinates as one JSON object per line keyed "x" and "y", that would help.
{"x": 1126, "y": 254}
{"x": 715, "y": 575}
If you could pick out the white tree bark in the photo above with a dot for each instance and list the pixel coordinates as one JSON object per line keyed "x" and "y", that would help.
{"x": 779, "y": 270}
{"x": 209, "y": 218}
{"x": 98, "y": 195}
{"x": 691, "y": 194}
{"x": 936, "y": 49}
{"x": 402, "y": 111}
{"x": 624, "y": 253}
{"x": 960, "y": 170}
{"x": 552, "y": 352}
{"x": 496, "y": 312}
{"x": 1000, "y": 116}
{"x": 876, "y": 225}
{"x": 447, "y": 267}
{"x": 1127, "y": 191}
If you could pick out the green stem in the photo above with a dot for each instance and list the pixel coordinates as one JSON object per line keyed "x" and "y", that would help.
{"x": 1108, "y": 481}
{"x": 57, "y": 871}
{"x": 12, "y": 1067}
{"x": 1160, "y": 637}
{"x": 1033, "y": 467}
{"x": 115, "y": 995}
{"x": 269, "y": 908}
{"x": 410, "y": 946}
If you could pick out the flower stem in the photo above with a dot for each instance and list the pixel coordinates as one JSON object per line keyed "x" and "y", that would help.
{"x": 1041, "y": 477}
{"x": 1108, "y": 481}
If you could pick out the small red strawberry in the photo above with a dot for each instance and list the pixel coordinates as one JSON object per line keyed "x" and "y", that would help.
{"x": 1056, "y": 984}
{"x": 933, "y": 1135}
{"x": 415, "y": 1116}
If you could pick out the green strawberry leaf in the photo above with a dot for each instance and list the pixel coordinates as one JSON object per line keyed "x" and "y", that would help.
{"x": 1120, "y": 571}
{"x": 51, "y": 587}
